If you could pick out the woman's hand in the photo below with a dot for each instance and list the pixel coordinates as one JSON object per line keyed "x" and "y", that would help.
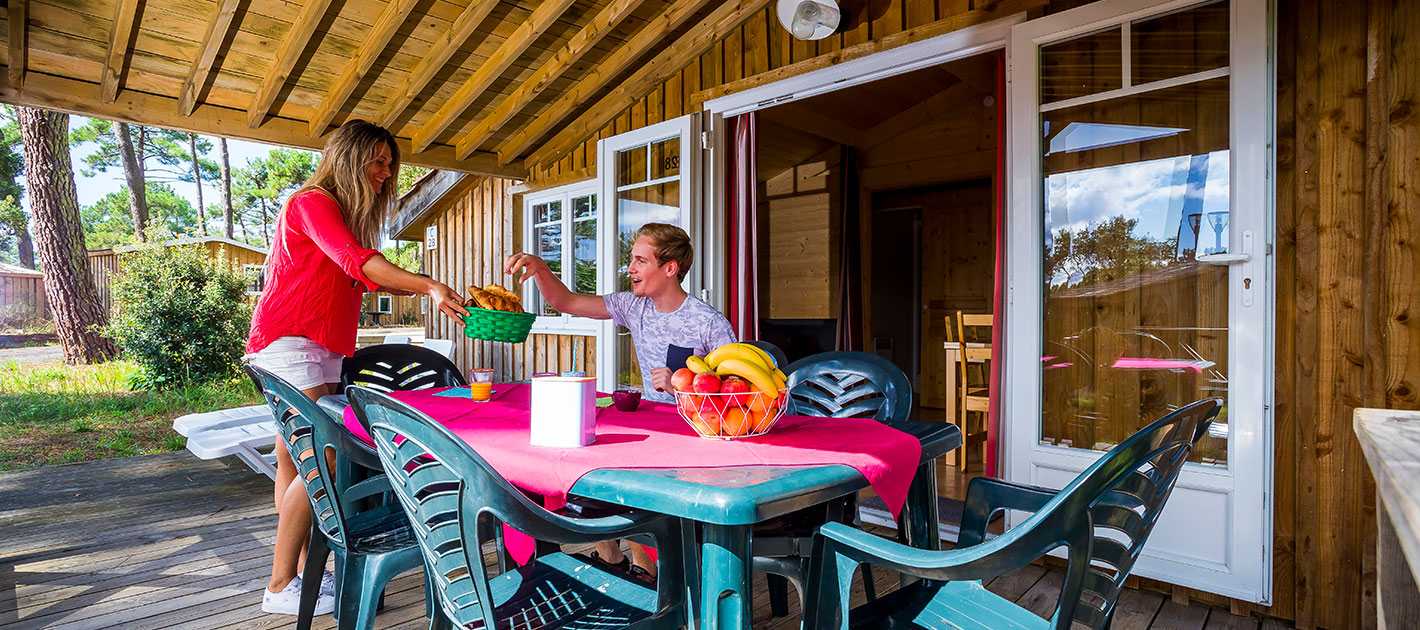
{"x": 447, "y": 301}
{"x": 530, "y": 265}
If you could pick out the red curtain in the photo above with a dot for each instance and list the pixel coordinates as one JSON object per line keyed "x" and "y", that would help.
{"x": 993, "y": 415}
{"x": 742, "y": 203}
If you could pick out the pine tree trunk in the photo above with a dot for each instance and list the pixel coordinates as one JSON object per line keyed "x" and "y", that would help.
{"x": 227, "y": 189}
{"x": 137, "y": 188}
{"x": 27, "y": 249}
{"x": 197, "y": 178}
{"x": 265, "y": 224}
{"x": 59, "y": 235}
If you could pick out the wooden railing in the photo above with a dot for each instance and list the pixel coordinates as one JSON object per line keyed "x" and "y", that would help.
{"x": 1391, "y": 441}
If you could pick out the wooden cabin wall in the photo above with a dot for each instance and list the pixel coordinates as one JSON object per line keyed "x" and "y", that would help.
{"x": 799, "y": 270}
{"x": 23, "y": 292}
{"x": 477, "y": 230}
{"x": 404, "y": 310}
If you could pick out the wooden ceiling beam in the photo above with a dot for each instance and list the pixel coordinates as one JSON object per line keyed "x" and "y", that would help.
{"x": 383, "y": 30}
{"x": 124, "y": 18}
{"x": 805, "y": 118}
{"x": 602, "y": 74}
{"x": 206, "y": 56}
{"x": 923, "y": 112}
{"x": 291, "y": 48}
{"x": 672, "y": 59}
{"x": 75, "y": 97}
{"x": 563, "y": 59}
{"x": 541, "y": 19}
{"x": 18, "y": 16}
{"x": 452, "y": 40}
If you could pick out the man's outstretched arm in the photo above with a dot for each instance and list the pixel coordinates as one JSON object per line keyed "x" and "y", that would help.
{"x": 553, "y": 291}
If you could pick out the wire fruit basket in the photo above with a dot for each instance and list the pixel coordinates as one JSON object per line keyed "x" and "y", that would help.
{"x": 731, "y": 416}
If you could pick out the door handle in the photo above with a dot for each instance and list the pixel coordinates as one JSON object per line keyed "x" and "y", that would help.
{"x": 1224, "y": 259}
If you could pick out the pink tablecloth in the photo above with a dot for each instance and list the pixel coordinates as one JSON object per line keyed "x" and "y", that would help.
{"x": 655, "y": 436}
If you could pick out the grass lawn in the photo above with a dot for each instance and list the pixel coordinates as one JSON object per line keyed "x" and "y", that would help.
{"x": 55, "y": 414}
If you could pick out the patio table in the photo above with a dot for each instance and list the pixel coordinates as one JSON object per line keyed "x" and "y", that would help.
{"x": 728, "y": 500}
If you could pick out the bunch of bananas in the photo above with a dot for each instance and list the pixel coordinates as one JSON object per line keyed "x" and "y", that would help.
{"x": 494, "y": 298}
{"x": 745, "y": 361}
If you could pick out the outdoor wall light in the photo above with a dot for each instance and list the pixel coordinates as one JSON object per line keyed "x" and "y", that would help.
{"x": 809, "y": 19}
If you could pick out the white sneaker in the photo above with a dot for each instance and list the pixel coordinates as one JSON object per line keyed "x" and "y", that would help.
{"x": 288, "y": 601}
{"x": 327, "y": 584}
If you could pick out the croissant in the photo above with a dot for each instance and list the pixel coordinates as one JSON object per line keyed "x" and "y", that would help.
{"x": 507, "y": 295}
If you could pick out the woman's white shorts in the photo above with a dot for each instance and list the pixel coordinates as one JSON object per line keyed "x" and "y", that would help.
{"x": 299, "y": 361}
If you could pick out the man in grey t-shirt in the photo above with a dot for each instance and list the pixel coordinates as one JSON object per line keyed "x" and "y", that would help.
{"x": 665, "y": 322}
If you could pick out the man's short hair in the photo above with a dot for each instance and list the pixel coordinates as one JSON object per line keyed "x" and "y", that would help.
{"x": 671, "y": 243}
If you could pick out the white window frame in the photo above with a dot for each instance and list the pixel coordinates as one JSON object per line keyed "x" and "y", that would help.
{"x": 384, "y": 304}
{"x": 257, "y": 278}
{"x": 701, "y": 226}
{"x": 565, "y": 324}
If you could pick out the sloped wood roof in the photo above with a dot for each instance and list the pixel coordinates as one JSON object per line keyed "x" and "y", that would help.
{"x": 473, "y": 85}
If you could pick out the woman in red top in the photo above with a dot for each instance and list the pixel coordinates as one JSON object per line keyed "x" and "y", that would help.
{"x": 320, "y": 266}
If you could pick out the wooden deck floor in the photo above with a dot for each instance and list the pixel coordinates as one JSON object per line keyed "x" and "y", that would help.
{"x": 170, "y": 541}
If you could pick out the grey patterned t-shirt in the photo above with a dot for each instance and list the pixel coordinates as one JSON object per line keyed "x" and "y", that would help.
{"x": 695, "y": 325}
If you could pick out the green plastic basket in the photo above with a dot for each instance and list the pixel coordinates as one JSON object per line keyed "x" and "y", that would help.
{"x": 492, "y": 325}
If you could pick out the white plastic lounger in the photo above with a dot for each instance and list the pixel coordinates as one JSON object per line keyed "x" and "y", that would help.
{"x": 236, "y": 431}
{"x": 240, "y": 432}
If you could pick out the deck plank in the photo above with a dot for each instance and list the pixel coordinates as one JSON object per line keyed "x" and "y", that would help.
{"x": 170, "y": 541}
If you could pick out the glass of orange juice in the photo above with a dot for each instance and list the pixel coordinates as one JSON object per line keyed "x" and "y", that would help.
{"x": 480, "y": 384}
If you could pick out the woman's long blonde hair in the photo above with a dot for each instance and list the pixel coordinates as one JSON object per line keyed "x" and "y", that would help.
{"x": 341, "y": 173}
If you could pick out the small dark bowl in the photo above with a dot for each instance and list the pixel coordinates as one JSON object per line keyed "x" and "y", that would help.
{"x": 626, "y": 400}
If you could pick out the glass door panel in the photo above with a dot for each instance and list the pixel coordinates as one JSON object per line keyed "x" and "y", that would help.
{"x": 1138, "y": 221}
{"x": 1135, "y": 189}
{"x": 647, "y": 191}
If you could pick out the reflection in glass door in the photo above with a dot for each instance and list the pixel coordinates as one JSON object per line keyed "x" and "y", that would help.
{"x": 1139, "y": 183}
{"x": 1135, "y": 193}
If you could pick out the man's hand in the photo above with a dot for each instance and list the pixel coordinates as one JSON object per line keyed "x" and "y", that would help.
{"x": 529, "y": 264}
{"x": 661, "y": 379}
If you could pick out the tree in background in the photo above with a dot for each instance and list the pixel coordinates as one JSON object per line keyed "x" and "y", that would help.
{"x": 226, "y": 188}
{"x": 12, "y": 189}
{"x": 157, "y": 154}
{"x": 106, "y": 223}
{"x": 405, "y": 255}
{"x": 408, "y": 175}
{"x": 197, "y": 179}
{"x": 264, "y": 183}
{"x": 59, "y": 237}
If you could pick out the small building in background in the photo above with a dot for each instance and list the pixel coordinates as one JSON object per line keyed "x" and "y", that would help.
{"x": 103, "y": 263}
{"x": 22, "y": 289}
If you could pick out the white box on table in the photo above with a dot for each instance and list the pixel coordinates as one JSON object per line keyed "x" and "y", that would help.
{"x": 564, "y": 411}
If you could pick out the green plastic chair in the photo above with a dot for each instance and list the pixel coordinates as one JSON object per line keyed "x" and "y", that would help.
{"x": 780, "y": 360}
{"x": 446, "y": 488}
{"x": 1102, "y": 519}
{"x": 837, "y": 385}
{"x": 848, "y": 384}
{"x": 353, "y": 512}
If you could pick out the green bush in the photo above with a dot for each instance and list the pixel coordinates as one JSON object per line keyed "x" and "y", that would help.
{"x": 24, "y": 318}
{"x": 179, "y": 314}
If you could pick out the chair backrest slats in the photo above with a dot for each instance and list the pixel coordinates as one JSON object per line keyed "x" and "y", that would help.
{"x": 309, "y": 433}
{"x": 849, "y": 385}
{"x": 399, "y": 367}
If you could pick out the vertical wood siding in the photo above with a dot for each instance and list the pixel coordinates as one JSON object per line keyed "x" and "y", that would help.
{"x": 477, "y": 230}
{"x": 23, "y": 292}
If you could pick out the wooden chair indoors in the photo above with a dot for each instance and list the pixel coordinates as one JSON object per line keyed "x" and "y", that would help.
{"x": 969, "y": 380}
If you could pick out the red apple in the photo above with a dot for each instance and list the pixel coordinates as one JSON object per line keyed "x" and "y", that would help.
{"x": 736, "y": 385}
{"x": 707, "y": 383}
{"x": 682, "y": 379}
